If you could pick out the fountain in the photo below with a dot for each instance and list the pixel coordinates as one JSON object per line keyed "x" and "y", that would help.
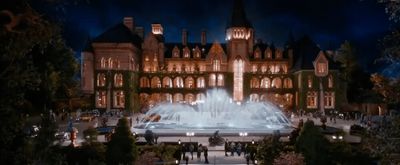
{"x": 216, "y": 112}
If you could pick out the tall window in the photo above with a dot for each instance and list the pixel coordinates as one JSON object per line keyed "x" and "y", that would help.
{"x": 102, "y": 63}
{"x": 119, "y": 99}
{"x": 311, "y": 99}
{"x": 277, "y": 83}
{"x": 144, "y": 82}
{"x": 238, "y": 68}
{"x": 155, "y": 82}
{"x": 254, "y": 83}
{"x": 118, "y": 80}
{"x": 309, "y": 82}
{"x": 212, "y": 79}
{"x": 263, "y": 68}
{"x": 329, "y": 99}
{"x": 167, "y": 82}
{"x": 220, "y": 80}
{"x": 322, "y": 67}
{"x": 200, "y": 82}
{"x": 178, "y": 82}
{"x": 110, "y": 63}
{"x": 265, "y": 83}
{"x": 287, "y": 83}
{"x": 254, "y": 68}
{"x": 189, "y": 82}
{"x": 101, "y": 99}
{"x": 216, "y": 65}
{"x": 101, "y": 79}
{"x": 330, "y": 81}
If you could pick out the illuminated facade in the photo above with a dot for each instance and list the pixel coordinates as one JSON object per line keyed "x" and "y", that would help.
{"x": 125, "y": 69}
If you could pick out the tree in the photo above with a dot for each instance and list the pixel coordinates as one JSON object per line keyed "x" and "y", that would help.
{"x": 268, "y": 149}
{"x": 313, "y": 145}
{"x": 121, "y": 149}
{"x": 392, "y": 9}
{"x": 94, "y": 150}
{"x": 388, "y": 88}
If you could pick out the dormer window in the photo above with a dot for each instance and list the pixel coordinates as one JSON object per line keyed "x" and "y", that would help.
{"x": 216, "y": 65}
{"x": 175, "y": 52}
{"x": 257, "y": 53}
{"x": 321, "y": 67}
{"x": 278, "y": 54}
{"x": 187, "y": 54}
{"x": 254, "y": 69}
{"x": 268, "y": 53}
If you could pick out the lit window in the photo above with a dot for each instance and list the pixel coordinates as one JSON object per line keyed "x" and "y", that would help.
{"x": 186, "y": 54}
{"x": 118, "y": 80}
{"x": 220, "y": 80}
{"x": 102, "y": 63}
{"x": 146, "y": 58}
{"x": 277, "y": 83}
{"x": 278, "y": 54}
{"x": 178, "y": 98}
{"x": 101, "y": 79}
{"x": 110, "y": 63}
{"x": 254, "y": 98}
{"x": 198, "y": 54}
{"x": 101, "y": 99}
{"x": 263, "y": 68}
{"x": 200, "y": 82}
{"x": 216, "y": 65}
{"x": 265, "y": 83}
{"x": 329, "y": 100}
{"x": 144, "y": 82}
{"x": 311, "y": 99}
{"x": 309, "y": 82}
{"x": 155, "y": 82}
{"x": 254, "y": 83}
{"x": 287, "y": 83}
{"x": 211, "y": 81}
{"x": 254, "y": 69}
{"x": 167, "y": 82}
{"x": 119, "y": 99}
{"x": 189, "y": 82}
{"x": 178, "y": 82}
{"x": 322, "y": 68}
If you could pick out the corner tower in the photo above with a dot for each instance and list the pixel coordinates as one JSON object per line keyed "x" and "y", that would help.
{"x": 240, "y": 41}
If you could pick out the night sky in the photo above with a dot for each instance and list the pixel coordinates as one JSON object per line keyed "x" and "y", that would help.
{"x": 327, "y": 22}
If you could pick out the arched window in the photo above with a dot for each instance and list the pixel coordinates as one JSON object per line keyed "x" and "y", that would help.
{"x": 330, "y": 81}
{"x": 254, "y": 68}
{"x": 119, "y": 99}
{"x": 189, "y": 82}
{"x": 212, "y": 80}
{"x": 277, "y": 83}
{"x": 101, "y": 99}
{"x": 178, "y": 82}
{"x": 102, "y": 63}
{"x": 167, "y": 97}
{"x": 200, "y": 82}
{"x": 178, "y": 97}
{"x": 278, "y": 54}
{"x": 264, "y": 69}
{"x": 144, "y": 82}
{"x": 155, "y": 82}
{"x": 110, "y": 63}
{"x": 189, "y": 98}
{"x": 265, "y": 83}
{"x": 167, "y": 82}
{"x": 288, "y": 99}
{"x": 287, "y": 83}
{"x": 216, "y": 65}
{"x": 312, "y": 100}
{"x": 101, "y": 79}
{"x": 118, "y": 80}
{"x": 200, "y": 97}
{"x": 255, "y": 83}
{"x": 220, "y": 80}
{"x": 268, "y": 53}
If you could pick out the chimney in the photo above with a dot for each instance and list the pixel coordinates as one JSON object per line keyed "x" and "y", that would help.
{"x": 184, "y": 37}
{"x": 156, "y": 28}
{"x": 203, "y": 37}
{"x": 128, "y": 22}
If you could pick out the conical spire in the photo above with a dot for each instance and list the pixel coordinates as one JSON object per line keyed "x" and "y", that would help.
{"x": 239, "y": 18}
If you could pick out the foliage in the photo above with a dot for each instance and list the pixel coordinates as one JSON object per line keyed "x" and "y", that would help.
{"x": 312, "y": 144}
{"x": 268, "y": 149}
{"x": 344, "y": 153}
{"x": 388, "y": 88}
{"x": 93, "y": 150}
{"x": 121, "y": 149}
{"x": 289, "y": 158}
{"x": 392, "y": 8}
{"x": 382, "y": 142}
{"x": 151, "y": 153}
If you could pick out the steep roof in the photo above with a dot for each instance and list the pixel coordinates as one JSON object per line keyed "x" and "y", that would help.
{"x": 239, "y": 18}
{"x": 170, "y": 46}
{"x": 305, "y": 52}
{"x": 119, "y": 34}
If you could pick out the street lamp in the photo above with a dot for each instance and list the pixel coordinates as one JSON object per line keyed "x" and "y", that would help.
{"x": 190, "y": 134}
{"x": 179, "y": 141}
{"x": 243, "y": 134}
{"x": 252, "y": 141}
{"x": 321, "y": 70}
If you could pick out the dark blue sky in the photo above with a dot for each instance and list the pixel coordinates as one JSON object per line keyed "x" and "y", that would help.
{"x": 327, "y": 22}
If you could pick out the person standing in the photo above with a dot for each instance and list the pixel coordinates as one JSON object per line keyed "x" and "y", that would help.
{"x": 226, "y": 147}
{"x": 239, "y": 149}
{"x": 191, "y": 149}
{"x": 199, "y": 150}
{"x": 183, "y": 151}
{"x": 205, "y": 154}
{"x": 232, "y": 148}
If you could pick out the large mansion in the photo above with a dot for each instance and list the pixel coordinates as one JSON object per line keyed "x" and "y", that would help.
{"x": 124, "y": 69}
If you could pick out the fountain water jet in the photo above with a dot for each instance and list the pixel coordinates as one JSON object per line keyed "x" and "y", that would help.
{"x": 215, "y": 112}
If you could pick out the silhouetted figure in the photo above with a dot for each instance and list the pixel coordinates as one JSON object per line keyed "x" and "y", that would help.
{"x": 184, "y": 150}
{"x": 226, "y": 147}
{"x": 206, "y": 154}
{"x": 199, "y": 150}
{"x": 191, "y": 149}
